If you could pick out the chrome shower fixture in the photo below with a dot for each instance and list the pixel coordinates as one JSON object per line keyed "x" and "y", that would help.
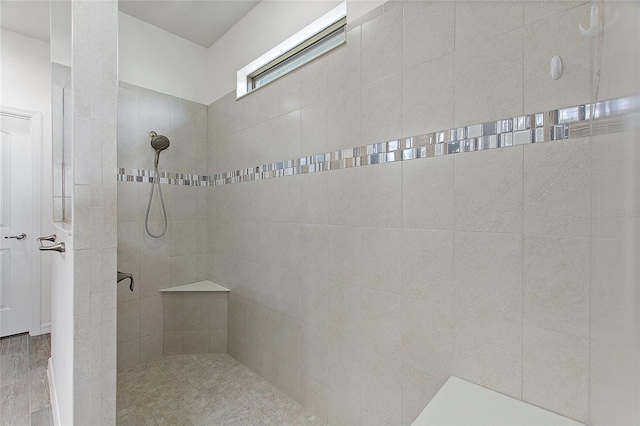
{"x": 159, "y": 143}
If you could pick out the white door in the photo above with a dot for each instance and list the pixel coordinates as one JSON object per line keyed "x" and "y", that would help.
{"x": 15, "y": 219}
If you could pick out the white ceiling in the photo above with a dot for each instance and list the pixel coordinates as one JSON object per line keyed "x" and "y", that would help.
{"x": 200, "y": 21}
{"x": 30, "y": 18}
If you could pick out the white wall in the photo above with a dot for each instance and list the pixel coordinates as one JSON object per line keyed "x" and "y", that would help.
{"x": 158, "y": 60}
{"x": 155, "y": 59}
{"x": 62, "y": 327}
{"x": 61, "y": 32}
{"x": 95, "y": 205}
{"x": 26, "y": 84}
{"x": 263, "y": 28}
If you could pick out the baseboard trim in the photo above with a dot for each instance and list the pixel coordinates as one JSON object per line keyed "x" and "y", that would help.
{"x": 55, "y": 412}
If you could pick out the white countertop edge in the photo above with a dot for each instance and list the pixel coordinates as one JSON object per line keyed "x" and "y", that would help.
{"x": 459, "y": 402}
{"x": 199, "y": 286}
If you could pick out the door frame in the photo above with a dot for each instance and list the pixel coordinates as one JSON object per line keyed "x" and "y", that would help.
{"x": 37, "y": 140}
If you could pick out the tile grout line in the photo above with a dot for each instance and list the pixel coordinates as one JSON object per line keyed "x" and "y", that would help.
{"x": 454, "y": 227}
{"x": 591, "y": 147}
{"x": 522, "y": 278}
{"x": 522, "y": 222}
{"x": 402, "y": 233}
{"x": 524, "y": 43}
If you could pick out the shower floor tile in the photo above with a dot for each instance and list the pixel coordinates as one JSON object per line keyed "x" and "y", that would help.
{"x": 203, "y": 390}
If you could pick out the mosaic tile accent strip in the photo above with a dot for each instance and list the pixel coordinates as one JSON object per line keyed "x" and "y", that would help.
{"x": 149, "y": 176}
{"x": 203, "y": 390}
{"x": 565, "y": 123}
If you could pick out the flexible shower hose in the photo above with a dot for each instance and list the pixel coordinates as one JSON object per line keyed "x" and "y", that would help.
{"x": 164, "y": 210}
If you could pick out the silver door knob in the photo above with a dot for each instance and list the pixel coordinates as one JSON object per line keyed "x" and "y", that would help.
{"x": 20, "y": 236}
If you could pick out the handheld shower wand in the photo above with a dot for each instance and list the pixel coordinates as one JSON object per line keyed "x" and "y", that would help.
{"x": 159, "y": 143}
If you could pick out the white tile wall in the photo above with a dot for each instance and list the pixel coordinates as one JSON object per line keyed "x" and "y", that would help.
{"x": 556, "y": 284}
{"x": 344, "y": 117}
{"x": 175, "y": 258}
{"x": 557, "y": 190}
{"x": 479, "y": 21}
{"x": 94, "y": 76}
{"x": 488, "y": 191}
{"x": 315, "y": 119}
{"x": 381, "y": 195}
{"x": 427, "y": 337}
{"x": 492, "y": 290}
{"x": 381, "y": 326}
{"x": 489, "y": 71}
{"x": 359, "y": 291}
{"x": 381, "y": 113}
{"x": 187, "y": 323}
{"x": 343, "y": 200}
{"x": 546, "y": 38}
{"x": 315, "y": 396}
{"x": 612, "y": 302}
{"x": 418, "y": 389}
{"x": 428, "y": 31}
{"x": 555, "y": 371}
{"x": 381, "y": 387}
{"x": 479, "y": 264}
{"x": 427, "y": 266}
{"x": 427, "y": 103}
{"x": 381, "y": 46}
{"x": 620, "y": 45}
{"x": 613, "y": 384}
{"x": 381, "y": 261}
{"x": 488, "y": 351}
{"x": 536, "y": 10}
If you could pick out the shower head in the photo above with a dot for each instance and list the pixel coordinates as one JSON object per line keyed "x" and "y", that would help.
{"x": 159, "y": 143}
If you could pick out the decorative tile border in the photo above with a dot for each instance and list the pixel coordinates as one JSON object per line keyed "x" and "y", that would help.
{"x": 149, "y": 176}
{"x": 610, "y": 117}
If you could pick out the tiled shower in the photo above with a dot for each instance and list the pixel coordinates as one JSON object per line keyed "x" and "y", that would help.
{"x": 361, "y": 280}
{"x": 180, "y": 257}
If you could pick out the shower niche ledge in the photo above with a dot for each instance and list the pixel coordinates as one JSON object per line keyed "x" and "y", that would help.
{"x": 199, "y": 286}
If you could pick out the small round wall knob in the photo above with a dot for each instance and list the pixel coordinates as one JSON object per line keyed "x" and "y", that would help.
{"x": 556, "y": 67}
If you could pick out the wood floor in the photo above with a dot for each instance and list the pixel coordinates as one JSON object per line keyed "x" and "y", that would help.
{"x": 24, "y": 387}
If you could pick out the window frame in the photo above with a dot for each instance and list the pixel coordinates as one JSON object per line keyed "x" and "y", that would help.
{"x": 330, "y": 25}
